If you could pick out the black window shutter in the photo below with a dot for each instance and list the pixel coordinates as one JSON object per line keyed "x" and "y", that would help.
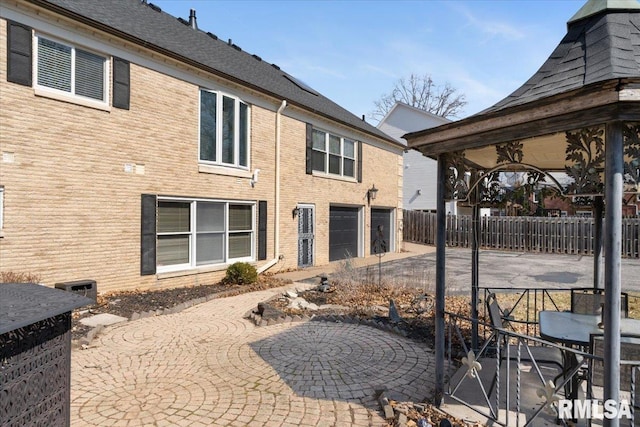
{"x": 121, "y": 83}
{"x": 262, "y": 230}
{"x": 359, "y": 161}
{"x": 309, "y": 149}
{"x": 148, "y": 235}
{"x": 19, "y": 54}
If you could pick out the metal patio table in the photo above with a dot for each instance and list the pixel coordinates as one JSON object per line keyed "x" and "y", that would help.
{"x": 575, "y": 330}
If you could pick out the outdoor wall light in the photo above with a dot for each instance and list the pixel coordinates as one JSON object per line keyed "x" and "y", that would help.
{"x": 372, "y": 193}
{"x": 295, "y": 212}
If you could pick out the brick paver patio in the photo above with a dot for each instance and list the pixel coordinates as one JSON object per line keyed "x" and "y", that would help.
{"x": 208, "y": 366}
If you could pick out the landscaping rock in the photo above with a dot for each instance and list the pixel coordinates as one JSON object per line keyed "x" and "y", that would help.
{"x": 394, "y": 316}
{"x": 302, "y": 304}
{"x": 388, "y": 412}
{"x": 291, "y": 294}
{"x": 401, "y": 420}
{"x": 103, "y": 319}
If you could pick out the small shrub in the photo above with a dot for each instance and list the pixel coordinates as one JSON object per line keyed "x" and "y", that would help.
{"x": 241, "y": 273}
{"x": 19, "y": 277}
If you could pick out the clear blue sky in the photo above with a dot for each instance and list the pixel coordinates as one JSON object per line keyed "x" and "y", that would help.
{"x": 354, "y": 51}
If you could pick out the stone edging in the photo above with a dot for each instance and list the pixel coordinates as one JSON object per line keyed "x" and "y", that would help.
{"x": 85, "y": 341}
{"x": 334, "y": 318}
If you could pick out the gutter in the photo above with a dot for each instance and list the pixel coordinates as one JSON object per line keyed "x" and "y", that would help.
{"x": 276, "y": 245}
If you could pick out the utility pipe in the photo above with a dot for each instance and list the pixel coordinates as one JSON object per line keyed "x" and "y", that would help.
{"x": 276, "y": 229}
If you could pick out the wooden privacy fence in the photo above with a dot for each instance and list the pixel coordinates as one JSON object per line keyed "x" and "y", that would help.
{"x": 567, "y": 235}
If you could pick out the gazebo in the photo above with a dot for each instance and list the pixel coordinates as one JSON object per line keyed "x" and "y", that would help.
{"x": 579, "y": 114}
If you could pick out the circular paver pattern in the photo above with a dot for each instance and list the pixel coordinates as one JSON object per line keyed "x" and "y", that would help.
{"x": 146, "y": 400}
{"x": 208, "y": 366}
{"x": 339, "y": 361}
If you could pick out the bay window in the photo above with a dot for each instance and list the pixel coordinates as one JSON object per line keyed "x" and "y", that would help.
{"x": 197, "y": 233}
{"x": 224, "y": 130}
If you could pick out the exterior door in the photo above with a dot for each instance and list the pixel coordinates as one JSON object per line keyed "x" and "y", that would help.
{"x": 380, "y": 231}
{"x": 343, "y": 233}
{"x": 306, "y": 234}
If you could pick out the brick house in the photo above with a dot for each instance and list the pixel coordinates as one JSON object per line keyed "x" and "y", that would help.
{"x": 142, "y": 152}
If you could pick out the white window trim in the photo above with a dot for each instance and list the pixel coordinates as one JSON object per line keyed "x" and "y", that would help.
{"x": 325, "y": 175}
{"x": 225, "y": 171}
{"x": 61, "y": 95}
{"x": 327, "y": 154}
{"x": 192, "y": 235}
{"x": 220, "y": 95}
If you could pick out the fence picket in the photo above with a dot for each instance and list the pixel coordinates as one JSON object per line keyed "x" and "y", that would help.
{"x": 569, "y": 235}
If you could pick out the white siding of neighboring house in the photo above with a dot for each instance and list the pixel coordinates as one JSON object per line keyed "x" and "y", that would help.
{"x": 419, "y": 181}
{"x": 420, "y": 172}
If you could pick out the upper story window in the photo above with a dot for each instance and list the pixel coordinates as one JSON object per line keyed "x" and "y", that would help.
{"x": 224, "y": 130}
{"x": 333, "y": 154}
{"x": 64, "y": 68}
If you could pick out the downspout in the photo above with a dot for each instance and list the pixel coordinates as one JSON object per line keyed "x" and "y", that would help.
{"x": 276, "y": 229}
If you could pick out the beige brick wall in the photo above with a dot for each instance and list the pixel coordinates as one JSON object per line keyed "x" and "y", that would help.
{"x": 380, "y": 167}
{"x": 72, "y": 212}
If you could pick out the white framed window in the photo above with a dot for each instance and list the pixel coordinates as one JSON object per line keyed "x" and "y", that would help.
{"x": 63, "y": 68}
{"x": 333, "y": 154}
{"x": 195, "y": 233}
{"x": 224, "y": 130}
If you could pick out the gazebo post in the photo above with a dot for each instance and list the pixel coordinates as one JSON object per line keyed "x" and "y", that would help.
{"x": 440, "y": 273}
{"x": 475, "y": 263}
{"x": 598, "y": 208}
{"x": 614, "y": 170}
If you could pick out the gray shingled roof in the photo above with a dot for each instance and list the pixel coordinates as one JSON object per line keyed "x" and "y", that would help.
{"x": 158, "y": 30}
{"x": 598, "y": 47}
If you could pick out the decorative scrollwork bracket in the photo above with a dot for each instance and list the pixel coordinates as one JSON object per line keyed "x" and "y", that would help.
{"x": 585, "y": 149}
{"x": 456, "y": 185}
{"x": 631, "y": 137}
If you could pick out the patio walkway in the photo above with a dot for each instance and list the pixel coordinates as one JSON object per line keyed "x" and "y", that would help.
{"x": 416, "y": 266}
{"x": 208, "y": 366}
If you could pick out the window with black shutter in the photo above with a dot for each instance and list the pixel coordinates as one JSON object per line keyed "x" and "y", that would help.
{"x": 65, "y": 69}
{"x": 121, "y": 83}
{"x": 262, "y": 230}
{"x": 148, "y": 235}
{"x": 19, "y": 53}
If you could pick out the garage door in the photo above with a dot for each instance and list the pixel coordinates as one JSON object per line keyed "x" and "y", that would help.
{"x": 380, "y": 220}
{"x": 343, "y": 233}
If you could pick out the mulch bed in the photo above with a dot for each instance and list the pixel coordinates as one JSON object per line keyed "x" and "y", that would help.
{"x": 126, "y": 303}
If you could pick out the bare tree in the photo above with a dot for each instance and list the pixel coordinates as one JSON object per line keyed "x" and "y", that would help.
{"x": 422, "y": 93}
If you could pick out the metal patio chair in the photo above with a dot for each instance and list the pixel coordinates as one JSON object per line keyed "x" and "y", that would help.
{"x": 591, "y": 301}
{"x": 629, "y": 351}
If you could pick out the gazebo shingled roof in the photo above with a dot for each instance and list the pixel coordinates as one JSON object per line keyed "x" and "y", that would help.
{"x": 580, "y": 114}
{"x": 596, "y": 48}
{"x": 595, "y": 67}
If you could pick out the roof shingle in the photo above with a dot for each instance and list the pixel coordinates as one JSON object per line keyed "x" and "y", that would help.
{"x": 158, "y": 30}
{"x": 600, "y": 47}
